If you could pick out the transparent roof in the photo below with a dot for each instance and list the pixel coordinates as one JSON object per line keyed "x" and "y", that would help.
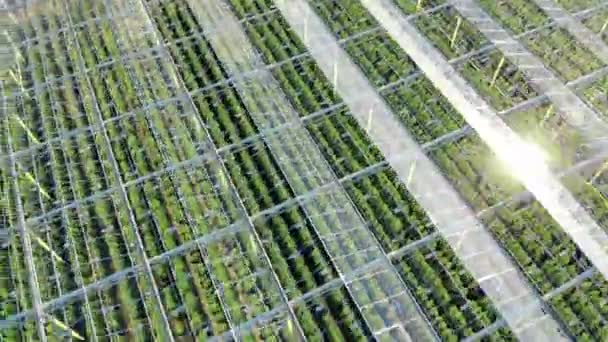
{"x": 303, "y": 170}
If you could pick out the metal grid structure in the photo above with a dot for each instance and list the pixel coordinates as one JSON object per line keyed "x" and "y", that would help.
{"x": 310, "y": 169}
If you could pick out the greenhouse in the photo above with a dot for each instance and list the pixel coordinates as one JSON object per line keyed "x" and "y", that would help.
{"x": 304, "y": 170}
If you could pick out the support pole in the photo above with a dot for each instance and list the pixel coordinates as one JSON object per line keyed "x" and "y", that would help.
{"x": 604, "y": 27}
{"x": 63, "y": 326}
{"x": 547, "y": 115}
{"x": 455, "y": 34}
{"x": 497, "y": 72}
{"x": 410, "y": 176}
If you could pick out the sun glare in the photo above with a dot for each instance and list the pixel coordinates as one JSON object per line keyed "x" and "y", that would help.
{"x": 524, "y": 160}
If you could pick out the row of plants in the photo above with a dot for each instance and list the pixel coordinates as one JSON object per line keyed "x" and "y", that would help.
{"x": 160, "y": 212}
{"x": 554, "y": 45}
{"x": 288, "y": 238}
{"x": 500, "y": 82}
{"x": 540, "y": 247}
{"x": 246, "y": 284}
{"x": 393, "y": 215}
{"x": 58, "y": 264}
{"x": 574, "y": 6}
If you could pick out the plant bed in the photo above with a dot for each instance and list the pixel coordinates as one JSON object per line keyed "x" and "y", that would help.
{"x": 477, "y": 175}
{"x": 390, "y": 211}
{"x": 557, "y": 48}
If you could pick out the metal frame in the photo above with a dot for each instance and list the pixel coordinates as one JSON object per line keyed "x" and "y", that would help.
{"x": 217, "y": 154}
{"x": 79, "y": 279}
{"x": 306, "y": 146}
{"x": 460, "y": 233}
{"x": 122, "y": 189}
{"x": 232, "y": 187}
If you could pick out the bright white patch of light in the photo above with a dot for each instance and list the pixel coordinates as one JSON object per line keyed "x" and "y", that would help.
{"x": 528, "y": 163}
{"x": 524, "y": 159}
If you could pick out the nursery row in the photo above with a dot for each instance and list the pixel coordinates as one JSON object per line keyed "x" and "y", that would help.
{"x": 393, "y": 215}
{"x": 543, "y": 251}
{"x": 87, "y": 243}
{"x": 290, "y": 238}
{"x": 119, "y": 164}
{"x": 554, "y": 45}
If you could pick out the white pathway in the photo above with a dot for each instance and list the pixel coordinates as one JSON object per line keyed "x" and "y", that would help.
{"x": 481, "y": 255}
{"x": 532, "y": 172}
{"x": 346, "y": 238}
